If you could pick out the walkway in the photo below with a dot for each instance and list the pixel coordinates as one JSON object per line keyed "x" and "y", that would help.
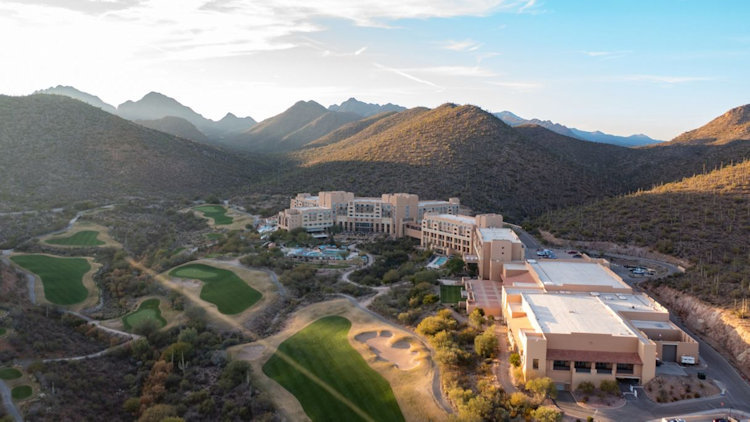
{"x": 8, "y": 403}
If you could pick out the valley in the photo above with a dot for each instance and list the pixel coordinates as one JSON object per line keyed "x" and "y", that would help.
{"x": 171, "y": 277}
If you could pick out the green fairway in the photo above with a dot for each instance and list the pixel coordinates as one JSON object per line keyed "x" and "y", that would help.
{"x": 21, "y": 392}
{"x": 450, "y": 294}
{"x": 221, "y": 287}
{"x": 322, "y": 348}
{"x": 62, "y": 277}
{"x": 149, "y": 309}
{"x": 217, "y": 213}
{"x": 84, "y": 238}
{"x": 10, "y": 373}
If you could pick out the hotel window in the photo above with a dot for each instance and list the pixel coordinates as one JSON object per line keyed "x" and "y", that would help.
{"x": 624, "y": 368}
{"x": 582, "y": 366}
{"x": 603, "y": 367}
{"x": 535, "y": 364}
{"x": 561, "y": 365}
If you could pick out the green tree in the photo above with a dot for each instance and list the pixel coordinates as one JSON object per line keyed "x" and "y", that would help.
{"x": 476, "y": 318}
{"x": 542, "y": 387}
{"x": 546, "y": 414}
{"x": 485, "y": 344}
{"x": 515, "y": 359}
{"x": 455, "y": 265}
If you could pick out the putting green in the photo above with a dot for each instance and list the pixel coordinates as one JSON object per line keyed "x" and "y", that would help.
{"x": 10, "y": 373}
{"x": 217, "y": 213}
{"x": 221, "y": 287}
{"x": 450, "y": 294}
{"x": 82, "y": 238}
{"x": 21, "y": 392}
{"x": 62, "y": 277}
{"x": 147, "y": 310}
{"x": 323, "y": 350}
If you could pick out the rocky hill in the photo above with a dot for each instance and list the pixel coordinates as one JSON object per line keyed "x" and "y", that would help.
{"x": 57, "y": 150}
{"x": 452, "y": 151}
{"x": 300, "y": 124}
{"x": 730, "y": 126}
{"x": 176, "y": 126}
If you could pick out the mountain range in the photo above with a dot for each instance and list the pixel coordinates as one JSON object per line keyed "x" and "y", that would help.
{"x": 523, "y": 169}
{"x": 352, "y": 105}
{"x": 597, "y": 136}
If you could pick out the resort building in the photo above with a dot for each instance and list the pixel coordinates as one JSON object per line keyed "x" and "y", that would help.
{"x": 576, "y": 320}
{"x": 312, "y": 219}
{"x": 394, "y": 214}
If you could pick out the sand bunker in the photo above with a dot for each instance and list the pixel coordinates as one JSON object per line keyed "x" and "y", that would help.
{"x": 251, "y": 352}
{"x": 400, "y": 352}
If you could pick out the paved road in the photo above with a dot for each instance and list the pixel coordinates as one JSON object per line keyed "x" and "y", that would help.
{"x": 10, "y": 407}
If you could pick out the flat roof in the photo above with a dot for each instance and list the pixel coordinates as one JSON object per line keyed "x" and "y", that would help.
{"x": 631, "y": 302}
{"x": 567, "y": 314}
{"x": 658, "y": 325}
{"x": 560, "y": 273}
{"x": 463, "y": 219}
{"x": 362, "y": 199}
{"x": 496, "y": 233}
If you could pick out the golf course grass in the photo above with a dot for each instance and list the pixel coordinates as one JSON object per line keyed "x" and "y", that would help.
{"x": 21, "y": 392}
{"x": 322, "y": 348}
{"x": 148, "y": 309}
{"x": 217, "y": 213}
{"x": 62, "y": 277}
{"x": 10, "y": 373}
{"x": 450, "y": 294}
{"x": 221, "y": 287}
{"x": 83, "y": 238}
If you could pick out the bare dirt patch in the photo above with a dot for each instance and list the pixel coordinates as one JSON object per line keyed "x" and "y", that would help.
{"x": 398, "y": 351}
{"x": 412, "y": 387}
{"x": 671, "y": 388}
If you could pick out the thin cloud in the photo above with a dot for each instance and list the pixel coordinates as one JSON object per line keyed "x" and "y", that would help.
{"x": 465, "y": 45}
{"x": 603, "y": 54}
{"x": 665, "y": 79}
{"x": 405, "y": 75}
{"x": 473, "y": 71}
{"x": 360, "y": 51}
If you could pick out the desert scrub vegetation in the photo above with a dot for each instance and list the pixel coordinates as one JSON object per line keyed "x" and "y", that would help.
{"x": 704, "y": 219}
{"x": 465, "y": 353}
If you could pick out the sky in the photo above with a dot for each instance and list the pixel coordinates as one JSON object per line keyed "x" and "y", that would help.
{"x": 620, "y": 66}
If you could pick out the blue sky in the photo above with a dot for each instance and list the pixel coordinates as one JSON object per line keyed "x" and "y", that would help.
{"x": 654, "y": 67}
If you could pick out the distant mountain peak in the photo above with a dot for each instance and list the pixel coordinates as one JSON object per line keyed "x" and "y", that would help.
{"x": 69, "y": 91}
{"x": 353, "y": 105}
{"x": 596, "y": 136}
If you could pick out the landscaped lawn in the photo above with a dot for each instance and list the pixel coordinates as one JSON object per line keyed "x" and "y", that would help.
{"x": 2, "y": 331}
{"x": 10, "y": 373}
{"x": 21, "y": 392}
{"x": 148, "y": 309}
{"x": 450, "y": 294}
{"x": 83, "y": 238}
{"x": 221, "y": 287}
{"x": 217, "y": 213}
{"x": 62, "y": 277}
{"x": 322, "y": 348}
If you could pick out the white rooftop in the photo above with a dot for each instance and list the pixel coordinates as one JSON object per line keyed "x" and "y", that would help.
{"x": 631, "y": 302}
{"x": 428, "y": 203}
{"x": 658, "y": 325}
{"x": 463, "y": 219}
{"x": 566, "y": 314}
{"x": 495, "y": 233}
{"x": 363, "y": 199}
{"x": 560, "y": 273}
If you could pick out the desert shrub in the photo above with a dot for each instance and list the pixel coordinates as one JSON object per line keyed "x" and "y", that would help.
{"x": 515, "y": 359}
{"x": 586, "y": 387}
